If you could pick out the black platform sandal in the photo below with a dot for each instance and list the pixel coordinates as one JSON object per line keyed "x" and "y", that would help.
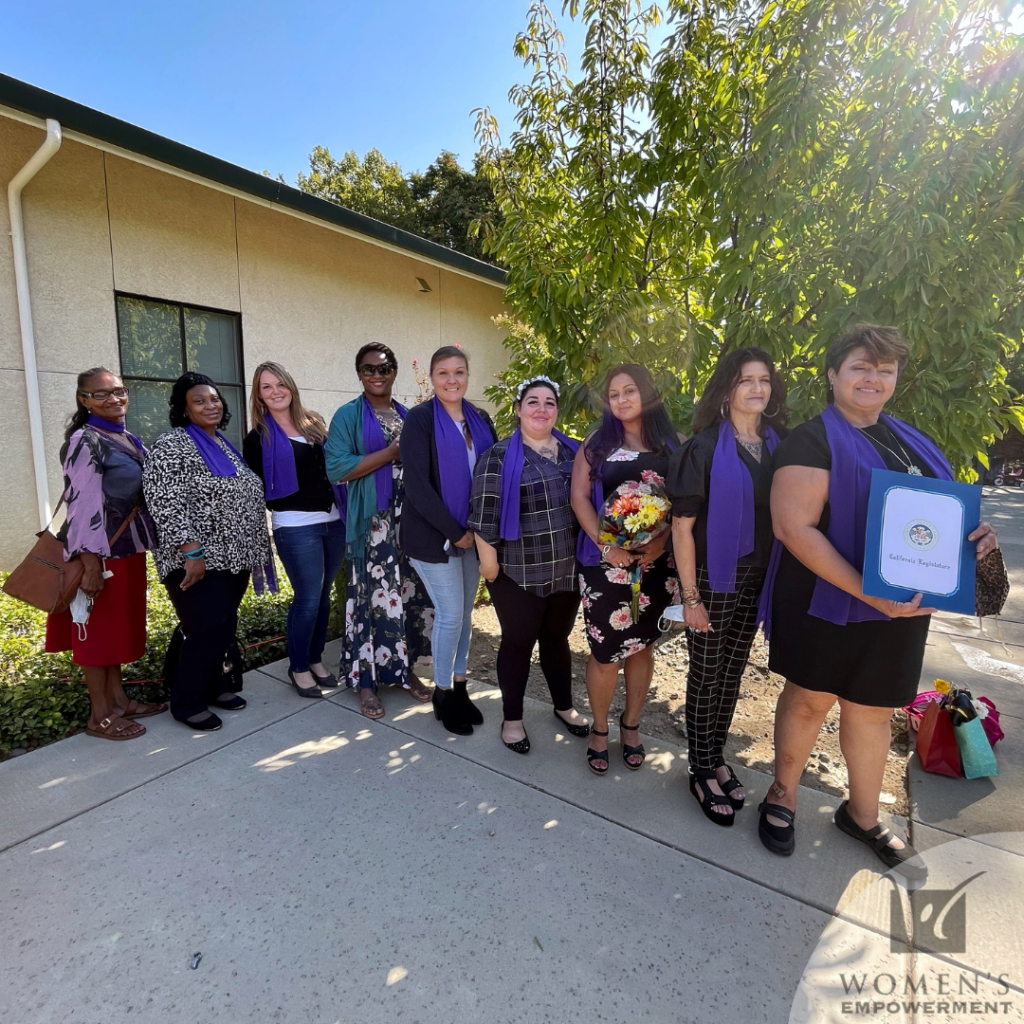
{"x": 627, "y": 750}
{"x": 878, "y": 839}
{"x": 730, "y": 785}
{"x": 709, "y": 801}
{"x": 780, "y": 839}
{"x": 597, "y": 755}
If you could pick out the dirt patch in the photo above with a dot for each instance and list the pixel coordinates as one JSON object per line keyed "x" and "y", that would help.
{"x": 750, "y": 740}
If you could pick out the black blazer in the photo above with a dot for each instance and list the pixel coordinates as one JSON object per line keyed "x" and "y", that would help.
{"x": 426, "y": 521}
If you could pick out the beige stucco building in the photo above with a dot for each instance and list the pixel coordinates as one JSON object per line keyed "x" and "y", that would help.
{"x": 119, "y": 215}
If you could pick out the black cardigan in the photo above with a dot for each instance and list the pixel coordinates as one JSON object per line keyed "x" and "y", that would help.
{"x": 315, "y": 493}
{"x": 426, "y": 521}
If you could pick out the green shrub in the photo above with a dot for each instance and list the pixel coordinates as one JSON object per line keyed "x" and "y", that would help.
{"x": 43, "y": 696}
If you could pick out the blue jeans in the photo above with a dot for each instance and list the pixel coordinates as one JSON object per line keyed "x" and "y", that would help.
{"x": 452, "y": 587}
{"x": 312, "y": 556}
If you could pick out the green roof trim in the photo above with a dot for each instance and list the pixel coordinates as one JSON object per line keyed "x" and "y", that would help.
{"x": 96, "y": 125}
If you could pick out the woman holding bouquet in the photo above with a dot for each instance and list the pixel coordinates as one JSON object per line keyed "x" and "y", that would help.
{"x": 525, "y": 535}
{"x": 630, "y": 447}
{"x": 720, "y": 486}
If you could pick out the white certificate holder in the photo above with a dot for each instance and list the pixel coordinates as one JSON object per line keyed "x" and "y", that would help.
{"x": 916, "y": 540}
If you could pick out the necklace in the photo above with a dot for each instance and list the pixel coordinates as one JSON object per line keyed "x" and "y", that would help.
{"x": 904, "y": 458}
{"x": 754, "y": 447}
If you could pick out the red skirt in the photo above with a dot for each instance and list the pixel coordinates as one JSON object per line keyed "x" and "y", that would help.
{"x": 116, "y": 631}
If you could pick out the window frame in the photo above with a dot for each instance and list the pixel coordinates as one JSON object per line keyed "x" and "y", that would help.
{"x": 181, "y": 307}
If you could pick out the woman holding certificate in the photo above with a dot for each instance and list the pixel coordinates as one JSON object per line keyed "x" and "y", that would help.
{"x": 829, "y": 639}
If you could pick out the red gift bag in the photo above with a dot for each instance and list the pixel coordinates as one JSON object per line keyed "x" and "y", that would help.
{"x": 936, "y": 743}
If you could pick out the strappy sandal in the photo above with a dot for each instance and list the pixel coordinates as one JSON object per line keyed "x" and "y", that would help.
{"x": 709, "y": 801}
{"x": 597, "y": 755}
{"x": 878, "y": 839}
{"x": 627, "y": 750}
{"x": 109, "y": 729}
{"x": 419, "y": 692}
{"x": 369, "y": 703}
{"x": 780, "y": 839}
{"x": 730, "y": 785}
{"x": 142, "y": 710}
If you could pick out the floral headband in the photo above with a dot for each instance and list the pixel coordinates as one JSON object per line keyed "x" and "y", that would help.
{"x": 540, "y": 379}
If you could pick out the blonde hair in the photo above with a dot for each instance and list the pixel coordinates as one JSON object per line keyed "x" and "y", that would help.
{"x": 310, "y": 424}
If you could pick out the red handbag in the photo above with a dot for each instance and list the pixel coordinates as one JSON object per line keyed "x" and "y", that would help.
{"x": 936, "y": 743}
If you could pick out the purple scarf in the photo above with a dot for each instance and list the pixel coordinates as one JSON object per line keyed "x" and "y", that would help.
{"x": 730, "y": 536}
{"x": 374, "y": 441}
{"x": 849, "y": 486}
{"x": 115, "y": 428}
{"x": 216, "y": 459}
{"x": 511, "y": 478}
{"x": 452, "y": 456}
{"x": 279, "y": 476}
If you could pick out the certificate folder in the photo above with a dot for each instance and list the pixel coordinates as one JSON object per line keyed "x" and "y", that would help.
{"x": 917, "y": 540}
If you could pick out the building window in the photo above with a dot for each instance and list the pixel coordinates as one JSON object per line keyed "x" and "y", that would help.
{"x": 162, "y": 340}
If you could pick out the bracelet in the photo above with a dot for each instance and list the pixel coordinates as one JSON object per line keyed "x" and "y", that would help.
{"x": 198, "y": 553}
{"x": 692, "y": 602}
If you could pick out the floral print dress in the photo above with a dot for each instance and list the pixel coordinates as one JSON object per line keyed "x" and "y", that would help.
{"x": 388, "y": 616}
{"x": 606, "y": 590}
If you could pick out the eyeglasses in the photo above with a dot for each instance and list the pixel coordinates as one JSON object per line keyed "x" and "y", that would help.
{"x": 376, "y": 369}
{"x": 102, "y": 396}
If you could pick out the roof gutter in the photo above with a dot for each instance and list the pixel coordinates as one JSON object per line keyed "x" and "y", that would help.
{"x": 28, "y": 339}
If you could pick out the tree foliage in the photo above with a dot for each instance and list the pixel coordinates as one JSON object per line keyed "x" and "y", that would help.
{"x": 440, "y": 203}
{"x": 769, "y": 175}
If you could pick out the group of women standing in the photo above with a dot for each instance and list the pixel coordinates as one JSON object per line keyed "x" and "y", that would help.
{"x": 766, "y": 528}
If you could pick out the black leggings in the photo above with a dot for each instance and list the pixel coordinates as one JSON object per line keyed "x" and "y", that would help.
{"x": 527, "y": 619}
{"x": 205, "y": 640}
{"x": 717, "y": 661}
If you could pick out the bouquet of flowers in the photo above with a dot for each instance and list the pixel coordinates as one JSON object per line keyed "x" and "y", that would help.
{"x": 633, "y": 515}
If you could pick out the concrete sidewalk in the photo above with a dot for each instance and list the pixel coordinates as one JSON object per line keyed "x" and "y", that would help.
{"x": 332, "y": 869}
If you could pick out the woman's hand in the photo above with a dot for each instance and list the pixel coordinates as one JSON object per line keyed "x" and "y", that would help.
{"x": 465, "y": 541}
{"x": 195, "y": 570}
{"x": 898, "y": 609}
{"x": 652, "y": 551}
{"x": 986, "y": 537}
{"x": 92, "y": 578}
{"x": 618, "y": 557}
{"x": 696, "y": 617}
{"x": 393, "y": 451}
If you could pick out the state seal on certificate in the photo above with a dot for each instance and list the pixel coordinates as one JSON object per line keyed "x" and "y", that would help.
{"x": 916, "y": 540}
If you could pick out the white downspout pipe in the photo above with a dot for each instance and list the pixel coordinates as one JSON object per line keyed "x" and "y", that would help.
{"x": 28, "y": 339}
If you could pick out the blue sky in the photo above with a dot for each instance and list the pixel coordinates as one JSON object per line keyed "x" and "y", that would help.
{"x": 261, "y": 83}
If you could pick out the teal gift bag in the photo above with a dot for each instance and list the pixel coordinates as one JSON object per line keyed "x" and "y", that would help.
{"x": 976, "y": 753}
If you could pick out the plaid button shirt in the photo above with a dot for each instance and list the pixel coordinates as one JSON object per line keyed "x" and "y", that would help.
{"x": 543, "y": 560}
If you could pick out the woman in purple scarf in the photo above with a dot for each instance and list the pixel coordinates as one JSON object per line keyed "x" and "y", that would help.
{"x": 285, "y": 449}
{"x": 720, "y": 483}
{"x": 827, "y": 638}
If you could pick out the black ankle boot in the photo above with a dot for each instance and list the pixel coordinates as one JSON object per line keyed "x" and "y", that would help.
{"x": 449, "y": 712}
{"x": 470, "y": 711}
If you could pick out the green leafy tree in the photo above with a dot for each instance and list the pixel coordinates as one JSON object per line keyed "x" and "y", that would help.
{"x": 772, "y": 174}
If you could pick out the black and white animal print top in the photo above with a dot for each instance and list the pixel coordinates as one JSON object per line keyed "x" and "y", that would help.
{"x": 226, "y": 514}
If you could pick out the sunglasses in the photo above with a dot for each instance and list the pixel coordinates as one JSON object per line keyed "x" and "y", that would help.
{"x": 376, "y": 369}
{"x": 102, "y": 396}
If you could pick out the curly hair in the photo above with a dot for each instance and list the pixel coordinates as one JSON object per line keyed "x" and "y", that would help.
{"x": 726, "y": 376}
{"x": 182, "y": 386}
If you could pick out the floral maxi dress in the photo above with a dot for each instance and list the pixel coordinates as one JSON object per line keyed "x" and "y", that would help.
{"x": 388, "y": 616}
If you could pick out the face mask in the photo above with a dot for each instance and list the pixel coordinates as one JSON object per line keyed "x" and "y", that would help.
{"x": 81, "y": 609}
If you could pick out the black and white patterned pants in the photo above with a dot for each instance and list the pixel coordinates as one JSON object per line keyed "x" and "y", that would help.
{"x": 717, "y": 661}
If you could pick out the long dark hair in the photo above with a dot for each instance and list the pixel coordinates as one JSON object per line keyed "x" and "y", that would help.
{"x": 81, "y": 414}
{"x": 656, "y": 429}
{"x": 726, "y": 376}
{"x": 182, "y": 386}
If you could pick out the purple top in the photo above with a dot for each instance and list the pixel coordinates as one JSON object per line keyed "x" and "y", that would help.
{"x": 102, "y": 484}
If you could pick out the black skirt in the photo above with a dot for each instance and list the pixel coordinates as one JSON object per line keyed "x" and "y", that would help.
{"x": 877, "y": 663}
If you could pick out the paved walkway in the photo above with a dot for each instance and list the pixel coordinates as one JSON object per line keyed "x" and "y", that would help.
{"x": 334, "y": 870}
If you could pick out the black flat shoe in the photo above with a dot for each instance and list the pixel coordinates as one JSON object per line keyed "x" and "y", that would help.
{"x": 597, "y": 755}
{"x": 328, "y": 682}
{"x": 627, "y": 750}
{"x": 449, "y": 712}
{"x": 520, "y": 746}
{"x": 209, "y": 724}
{"x": 730, "y": 786}
{"x": 470, "y": 712}
{"x": 780, "y": 839}
{"x": 235, "y": 703}
{"x": 304, "y": 691}
{"x": 878, "y": 839}
{"x": 709, "y": 801}
{"x": 576, "y": 730}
